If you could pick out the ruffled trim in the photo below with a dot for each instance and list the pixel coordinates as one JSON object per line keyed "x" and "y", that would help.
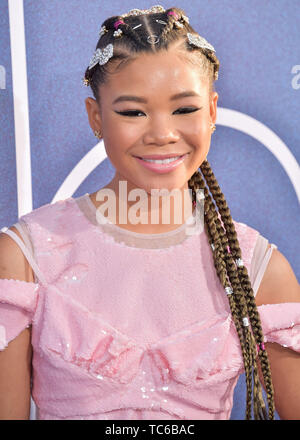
{"x": 200, "y": 354}
{"x": 281, "y": 324}
{"x": 204, "y": 354}
{"x": 82, "y": 338}
{"x": 88, "y": 350}
{"x": 20, "y": 301}
{"x": 210, "y": 352}
{"x": 19, "y": 293}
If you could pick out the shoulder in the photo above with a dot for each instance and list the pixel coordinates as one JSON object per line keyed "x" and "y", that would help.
{"x": 279, "y": 283}
{"x": 47, "y": 212}
{"x": 243, "y": 229}
{"x": 13, "y": 263}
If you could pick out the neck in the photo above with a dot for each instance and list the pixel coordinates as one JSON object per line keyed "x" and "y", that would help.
{"x": 150, "y": 214}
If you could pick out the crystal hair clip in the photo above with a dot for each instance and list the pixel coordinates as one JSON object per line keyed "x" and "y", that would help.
{"x": 196, "y": 40}
{"x": 103, "y": 31}
{"x": 155, "y": 9}
{"x": 101, "y": 56}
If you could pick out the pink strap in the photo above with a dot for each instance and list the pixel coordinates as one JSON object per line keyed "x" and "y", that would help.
{"x": 26, "y": 252}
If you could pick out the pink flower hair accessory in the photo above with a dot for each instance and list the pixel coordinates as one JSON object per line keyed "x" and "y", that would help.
{"x": 173, "y": 13}
{"x": 117, "y": 23}
{"x": 118, "y": 32}
{"x": 177, "y": 23}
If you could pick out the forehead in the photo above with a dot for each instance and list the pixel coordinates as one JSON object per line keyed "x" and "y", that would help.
{"x": 160, "y": 74}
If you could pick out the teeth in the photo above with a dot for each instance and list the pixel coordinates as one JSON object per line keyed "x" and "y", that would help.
{"x": 162, "y": 161}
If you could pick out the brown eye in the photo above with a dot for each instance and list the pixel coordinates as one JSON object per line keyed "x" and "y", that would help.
{"x": 133, "y": 113}
{"x": 129, "y": 112}
{"x": 188, "y": 109}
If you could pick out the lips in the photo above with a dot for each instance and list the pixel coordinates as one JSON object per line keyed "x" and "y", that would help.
{"x": 162, "y": 167}
{"x": 161, "y": 156}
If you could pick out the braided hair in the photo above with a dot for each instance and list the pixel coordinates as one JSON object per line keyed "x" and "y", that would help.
{"x": 218, "y": 222}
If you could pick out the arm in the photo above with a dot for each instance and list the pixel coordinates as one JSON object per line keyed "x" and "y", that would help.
{"x": 280, "y": 285}
{"x": 15, "y": 359}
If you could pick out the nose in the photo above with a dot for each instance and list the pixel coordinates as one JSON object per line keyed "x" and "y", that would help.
{"x": 161, "y": 132}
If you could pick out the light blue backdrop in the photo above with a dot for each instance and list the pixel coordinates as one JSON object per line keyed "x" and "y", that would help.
{"x": 257, "y": 43}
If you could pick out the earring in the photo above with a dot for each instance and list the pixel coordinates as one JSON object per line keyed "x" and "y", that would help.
{"x": 212, "y": 126}
{"x": 97, "y": 133}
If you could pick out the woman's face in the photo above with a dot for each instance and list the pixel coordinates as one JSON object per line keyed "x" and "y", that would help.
{"x": 158, "y": 124}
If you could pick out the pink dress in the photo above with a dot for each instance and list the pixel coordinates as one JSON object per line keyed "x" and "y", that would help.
{"x": 127, "y": 325}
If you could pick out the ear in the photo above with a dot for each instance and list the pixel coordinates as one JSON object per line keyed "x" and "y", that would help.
{"x": 94, "y": 114}
{"x": 213, "y": 106}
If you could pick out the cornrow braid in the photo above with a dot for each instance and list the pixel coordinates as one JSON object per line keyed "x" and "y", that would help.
{"x": 128, "y": 31}
{"x": 244, "y": 278}
{"x": 171, "y": 24}
{"x": 123, "y": 47}
{"x": 236, "y": 301}
{"x": 214, "y": 61}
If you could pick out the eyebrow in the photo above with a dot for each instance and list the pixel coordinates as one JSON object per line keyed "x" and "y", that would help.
{"x": 143, "y": 100}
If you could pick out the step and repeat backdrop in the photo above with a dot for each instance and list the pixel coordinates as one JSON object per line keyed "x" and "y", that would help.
{"x": 48, "y": 151}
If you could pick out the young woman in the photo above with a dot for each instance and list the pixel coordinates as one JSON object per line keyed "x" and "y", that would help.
{"x": 108, "y": 319}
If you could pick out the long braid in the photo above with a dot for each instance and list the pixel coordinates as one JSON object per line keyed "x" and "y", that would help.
{"x": 246, "y": 284}
{"x": 171, "y": 24}
{"x": 249, "y": 340}
{"x": 225, "y": 268}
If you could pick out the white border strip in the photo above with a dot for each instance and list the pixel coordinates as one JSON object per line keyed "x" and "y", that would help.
{"x": 21, "y": 111}
{"x": 21, "y": 116}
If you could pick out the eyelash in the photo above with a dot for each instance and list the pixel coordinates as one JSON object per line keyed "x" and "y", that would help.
{"x": 131, "y": 113}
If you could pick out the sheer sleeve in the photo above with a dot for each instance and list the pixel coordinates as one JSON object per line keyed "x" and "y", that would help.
{"x": 260, "y": 259}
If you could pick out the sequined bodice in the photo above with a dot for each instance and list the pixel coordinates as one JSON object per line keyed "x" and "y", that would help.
{"x": 129, "y": 331}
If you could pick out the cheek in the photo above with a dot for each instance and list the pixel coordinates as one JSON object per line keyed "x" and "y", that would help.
{"x": 198, "y": 132}
{"x": 118, "y": 138}
{"x": 120, "y": 126}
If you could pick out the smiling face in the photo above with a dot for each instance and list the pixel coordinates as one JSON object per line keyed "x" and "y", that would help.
{"x": 158, "y": 124}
